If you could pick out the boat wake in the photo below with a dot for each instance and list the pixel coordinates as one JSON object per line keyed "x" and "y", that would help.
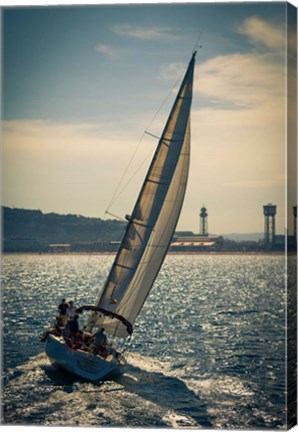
{"x": 144, "y": 395}
{"x": 149, "y": 393}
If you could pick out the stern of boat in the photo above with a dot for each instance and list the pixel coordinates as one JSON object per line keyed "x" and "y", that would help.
{"x": 81, "y": 363}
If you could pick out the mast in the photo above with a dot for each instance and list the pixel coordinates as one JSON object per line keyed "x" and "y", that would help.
{"x": 153, "y": 220}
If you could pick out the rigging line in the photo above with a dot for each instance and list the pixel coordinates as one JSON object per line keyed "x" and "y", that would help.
{"x": 97, "y": 236}
{"x": 127, "y": 343}
{"x": 115, "y": 196}
{"x": 154, "y": 136}
{"x": 163, "y": 103}
{"x": 98, "y": 232}
{"x": 196, "y": 45}
{"x": 155, "y": 250}
{"x": 115, "y": 216}
{"x": 113, "y": 199}
{"x": 133, "y": 175}
{"x": 130, "y": 179}
{"x": 141, "y": 274}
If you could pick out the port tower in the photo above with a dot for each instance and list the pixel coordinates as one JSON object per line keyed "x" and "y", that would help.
{"x": 269, "y": 231}
{"x": 203, "y": 222}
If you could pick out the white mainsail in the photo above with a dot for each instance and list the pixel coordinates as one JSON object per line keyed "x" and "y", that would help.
{"x": 153, "y": 220}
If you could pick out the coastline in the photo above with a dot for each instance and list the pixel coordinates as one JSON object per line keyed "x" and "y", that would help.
{"x": 169, "y": 253}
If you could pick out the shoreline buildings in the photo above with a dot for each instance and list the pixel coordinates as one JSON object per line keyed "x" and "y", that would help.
{"x": 190, "y": 242}
{"x": 31, "y": 231}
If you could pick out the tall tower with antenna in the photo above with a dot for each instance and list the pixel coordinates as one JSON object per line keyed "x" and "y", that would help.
{"x": 203, "y": 222}
{"x": 269, "y": 227}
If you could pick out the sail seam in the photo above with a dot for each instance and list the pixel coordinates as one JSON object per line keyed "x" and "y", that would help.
{"x": 150, "y": 204}
{"x": 154, "y": 247}
{"x": 142, "y": 224}
{"x": 125, "y": 267}
{"x": 157, "y": 182}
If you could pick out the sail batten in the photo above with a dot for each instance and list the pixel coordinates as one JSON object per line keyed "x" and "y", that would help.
{"x": 154, "y": 217}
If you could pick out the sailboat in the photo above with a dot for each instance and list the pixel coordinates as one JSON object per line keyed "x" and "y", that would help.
{"x": 143, "y": 248}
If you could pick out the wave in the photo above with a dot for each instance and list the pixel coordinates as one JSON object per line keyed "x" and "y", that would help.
{"x": 144, "y": 395}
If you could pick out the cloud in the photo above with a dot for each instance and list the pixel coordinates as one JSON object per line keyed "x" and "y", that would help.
{"x": 44, "y": 139}
{"x": 263, "y": 32}
{"x": 242, "y": 117}
{"x": 238, "y": 146}
{"x": 172, "y": 71}
{"x": 107, "y": 50}
{"x": 242, "y": 80}
{"x": 272, "y": 182}
{"x": 292, "y": 41}
{"x": 239, "y": 135}
{"x": 237, "y": 163}
{"x": 149, "y": 33}
{"x": 67, "y": 167}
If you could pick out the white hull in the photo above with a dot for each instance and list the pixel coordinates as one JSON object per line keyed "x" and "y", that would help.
{"x": 78, "y": 362}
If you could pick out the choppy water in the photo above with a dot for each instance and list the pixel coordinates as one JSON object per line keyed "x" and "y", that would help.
{"x": 208, "y": 349}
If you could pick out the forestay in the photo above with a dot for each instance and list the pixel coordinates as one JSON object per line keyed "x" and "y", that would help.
{"x": 153, "y": 220}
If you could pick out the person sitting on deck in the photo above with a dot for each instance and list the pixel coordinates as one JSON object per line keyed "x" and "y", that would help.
{"x": 78, "y": 340}
{"x": 87, "y": 340}
{"x": 58, "y": 326}
{"x": 99, "y": 343}
{"x": 56, "y": 330}
{"x": 62, "y": 308}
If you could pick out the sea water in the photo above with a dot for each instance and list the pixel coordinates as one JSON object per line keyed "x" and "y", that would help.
{"x": 208, "y": 349}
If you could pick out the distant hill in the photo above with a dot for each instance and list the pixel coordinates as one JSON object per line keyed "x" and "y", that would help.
{"x": 35, "y": 231}
{"x": 28, "y": 227}
{"x": 56, "y": 228}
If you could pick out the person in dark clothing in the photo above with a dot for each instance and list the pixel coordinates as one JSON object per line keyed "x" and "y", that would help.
{"x": 73, "y": 325}
{"x": 99, "y": 343}
{"x": 71, "y": 331}
{"x": 62, "y": 308}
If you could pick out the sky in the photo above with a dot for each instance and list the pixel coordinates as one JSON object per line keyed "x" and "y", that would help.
{"x": 81, "y": 84}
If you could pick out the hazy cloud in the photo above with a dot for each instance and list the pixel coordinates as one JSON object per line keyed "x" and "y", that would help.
{"x": 142, "y": 32}
{"x": 238, "y": 132}
{"x": 65, "y": 161}
{"x": 238, "y": 141}
{"x": 263, "y": 32}
{"x": 172, "y": 71}
{"x": 107, "y": 50}
{"x": 243, "y": 80}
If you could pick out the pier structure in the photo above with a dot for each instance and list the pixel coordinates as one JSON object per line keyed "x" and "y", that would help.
{"x": 269, "y": 227}
{"x": 203, "y": 222}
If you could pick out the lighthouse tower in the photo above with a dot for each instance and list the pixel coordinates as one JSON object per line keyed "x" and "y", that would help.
{"x": 203, "y": 222}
